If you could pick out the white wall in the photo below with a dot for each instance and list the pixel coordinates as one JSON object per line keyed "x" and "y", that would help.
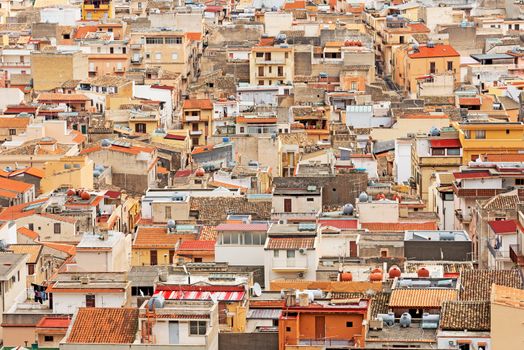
{"x": 63, "y": 16}
{"x": 161, "y": 332}
{"x": 299, "y": 204}
{"x": 164, "y": 95}
{"x": 8, "y": 232}
{"x": 368, "y": 211}
{"x": 10, "y": 96}
{"x": 402, "y": 161}
{"x": 445, "y": 212}
{"x": 369, "y": 164}
{"x": 309, "y": 261}
{"x": 67, "y": 303}
{"x": 334, "y": 245}
{"x": 275, "y": 22}
{"x": 444, "y": 338}
{"x": 240, "y": 255}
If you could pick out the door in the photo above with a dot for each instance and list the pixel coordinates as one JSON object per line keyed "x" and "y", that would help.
{"x": 173, "y": 332}
{"x": 153, "y": 257}
{"x": 320, "y": 327}
{"x": 287, "y": 205}
{"x": 352, "y": 249}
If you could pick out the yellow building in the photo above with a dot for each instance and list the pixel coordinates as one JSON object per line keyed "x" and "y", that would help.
{"x": 271, "y": 65}
{"x": 154, "y": 245}
{"x": 490, "y": 137}
{"x": 145, "y": 122}
{"x": 197, "y": 116}
{"x": 73, "y": 172}
{"x": 35, "y": 264}
{"x": 51, "y": 69}
{"x": 412, "y": 63}
{"x": 94, "y": 10}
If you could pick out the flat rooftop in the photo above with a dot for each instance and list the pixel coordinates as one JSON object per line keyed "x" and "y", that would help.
{"x": 461, "y": 236}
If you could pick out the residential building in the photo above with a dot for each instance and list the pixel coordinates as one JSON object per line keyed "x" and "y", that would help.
{"x": 241, "y": 244}
{"x": 96, "y": 10}
{"x": 296, "y": 203}
{"x": 505, "y": 309}
{"x": 51, "y": 69}
{"x": 13, "y": 279}
{"x": 271, "y": 64}
{"x": 197, "y": 117}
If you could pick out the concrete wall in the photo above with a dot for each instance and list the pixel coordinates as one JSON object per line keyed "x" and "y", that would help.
{"x": 438, "y": 250}
{"x": 252, "y": 341}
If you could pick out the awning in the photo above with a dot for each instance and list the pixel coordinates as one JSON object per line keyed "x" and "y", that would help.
{"x": 201, "y": 295}
{"x": 445, "y": 143}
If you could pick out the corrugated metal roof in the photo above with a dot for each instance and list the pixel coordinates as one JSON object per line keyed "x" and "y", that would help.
{"x": 267, "y": 314}
{"x": 201, "y": 295}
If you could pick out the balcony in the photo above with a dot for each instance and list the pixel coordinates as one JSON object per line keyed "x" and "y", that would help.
{"x": 515, "y": 255}
{"x": 195, "y": 132}
{"x": 192, "y": 118}
{"x": 298, "y": 264}
{"x": 262, "y": 60}
{"x": 464, "y": 219}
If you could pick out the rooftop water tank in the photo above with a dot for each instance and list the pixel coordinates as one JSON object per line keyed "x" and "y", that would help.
{"x": 388, "y": 319}
{"x": 348, "y": 209}
{"x": 156, "y": 302}
{"x": 423, "y": 272}
{"x": 363, "y": 197}
{"x": 446, "y": 236}
{"x": 405, "y": 320}
{"x": 394, "y": 271}
{"x": 105, "y": 143}
{"x": 346, "y": 277}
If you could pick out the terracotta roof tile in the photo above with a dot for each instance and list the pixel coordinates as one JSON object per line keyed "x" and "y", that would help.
{"x": 503, "y": 201}
{"x": 297, "y": 4}
{"x": 104, "y": 326}
{"x": 439, "y": 50}
{"x": 291, "y": 243}
{"x": 14, "y": 186}
{"x": 14, "y": 122}
{"x": 379, "y": 300}
{"x": 28, "y": 233}
{"x": 33, "y": 250}
{"x": 157, "y": 237}
{"x": 470, "y": 101}
{"x": 421, "y": 298}
{"x": 66, "y": 248}
{"x": 56, "y": 97}
{"x": 477, "y": 283}
{"x": 507, "y": 296}
{"x": 68, "y": 219}
{"x": 461, "y": 315}
{"x": 21, "y": 210}
{"x": 208, "y": 233}
{"x": 53, "y": 322}
{"x": 340, "y": 223}
{"x": 198, "y": 104}
{"x": 197, "y": 245}
{"x": 131, "y": 150}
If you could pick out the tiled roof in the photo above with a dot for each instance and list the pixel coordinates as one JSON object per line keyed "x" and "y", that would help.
{"x": 66, "y": 248}
{"x": 208, "y": 233}
{"x": 197, "y": 245}
{"x": 54, "y": 322}
{"x": 14, "y": 122}
{"x": 104, "y": 326}
{"x": 198, "y": 104}
{"x": 462, "y": 315}
{"x": 501, "y": 227}
{"x": 341, "y": 224}
{"x": 476, "y": 284}
{"x": 297, "y": 4}
{"x": 195, "y": 36}
{"x": 470, "y": 101}
{"x": 379, "y": 300}
{"x": 14, "y": 186}
{"x": 56, "y": 97}
{"x": 27, "y": 232}
{"x": 438, "y": 51}
{"x": 131, "y": 150}
{"x": 81, "y": 32}
{"x": 502, "y": 201}
{"x": 68, "y": 219}
{"x": 399, "y": 226}
{"x": 214, "y": 210}
{"x": 291, "y": 243}
{"x": 472, "y": 174}
{"x": 421, "y": 298}
{"x": 157, "y": 237}
{"x": 29, "y": 170}
{"x": 33, "y": 250}
{"x": 21, "y": 210}
{"x": 242, "y": 227}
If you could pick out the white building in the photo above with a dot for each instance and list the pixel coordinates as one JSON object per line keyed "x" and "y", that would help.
{"x": 290, "y": 203}
{"x": 241, "y": 244}
{"x": 291, "y": 252}
{"x": 158, "y": 93}
{"x": 402, "y": 162}
{"x": 64, "y": 16}
{"x": 108, "y": 252}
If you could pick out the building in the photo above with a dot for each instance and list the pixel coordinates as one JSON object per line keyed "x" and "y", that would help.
{"x": 271, "y": 64}
{"x": 296, "y": 203}
{"x": 51, "y": 69}
{"x": 94, "y": 10}
{"x": 71, "y": 172}
{"x": 438, "y": 245}
{"x": 107, "y": 252}
{"x": 13, "y": 279}
{"x": 505, "y": 310}
{"x": 241, "y": 244}
{"x": 417, "y": 61}
{"x": 197, "y": 117}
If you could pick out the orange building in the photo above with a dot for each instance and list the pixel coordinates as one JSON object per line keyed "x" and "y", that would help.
{"x": 324, "y": 326}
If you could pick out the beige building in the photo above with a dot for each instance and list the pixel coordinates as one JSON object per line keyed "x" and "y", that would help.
{"x": 51, "y": 69}
{"x": 74, "y": 172}
{"x": 13, "y": 274}
{"x": 271, "y": 65}
{"x": 197, "y": 117}
{"x": 507, "y": 318}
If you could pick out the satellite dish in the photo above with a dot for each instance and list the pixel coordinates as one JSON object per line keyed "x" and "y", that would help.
{"x": 214, "y": 298}
{"x": 257, "y": 290}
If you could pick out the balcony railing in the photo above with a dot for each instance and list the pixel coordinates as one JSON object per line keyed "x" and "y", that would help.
{"x": 497, "y": 254}
{"x": 515, "y": 255}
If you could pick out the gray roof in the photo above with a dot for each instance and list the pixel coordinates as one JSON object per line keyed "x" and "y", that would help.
{"x": 491, "y": 56}
{"x": 383, "y": 146}
{"x": 9, "y": 262}
{"x": 268, "y": 314}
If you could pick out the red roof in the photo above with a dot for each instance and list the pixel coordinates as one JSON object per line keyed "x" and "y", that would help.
{"x": 291, "y": 243}
{"x": 446, "y": 143}
{"x": 241, "y": 227}
{"x": 222, "y": 293}
{"x": 195, "y": 36}
{"x": 54, "y": 322}
{"x": 399, "y": 226}
{"x": 175, "y": 137}
{"x": 342, "y": 224}
{"x": 197, "y": 245}
{"x": 501, "y": 227}
{"x": 213, "y": 8}
{"x": 438, "y": 50}
{"x": 418, "y": 28}
{"x": 198, "y": 104}
{"x": 295, "y": 5}
{"x": 472, "y": 174}
{"x": 81, "y": 32}
{"x": 183, "y": 173}
{"x": 470, "y": 101}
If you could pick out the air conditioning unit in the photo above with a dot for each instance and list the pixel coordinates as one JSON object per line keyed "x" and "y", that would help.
{"x": 302, "y": 251}
{"x": 301, "y": 275}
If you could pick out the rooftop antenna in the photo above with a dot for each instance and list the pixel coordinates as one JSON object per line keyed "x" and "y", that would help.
{"x": 188, "y": 274}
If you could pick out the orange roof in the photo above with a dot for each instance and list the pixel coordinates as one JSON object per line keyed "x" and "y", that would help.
{"x": 194, "y": 36}
{"x": 103, "y": 325}
{"x": 269, "y": 41}
{"x": 19, "y": 211}
{"x": 81, "y": 32}
{"x": 198, "y": 104}
{"x": 470, "y": 101}
{"x": 439, "y": 50}
{"x": 14, "y": 122}
{"x": 202, "y": 149}
{"x": 132, "y": 150}
{"x": 208, "y": 233}
{"x": 256, "y": 120}
{"x": 68, "y": 219}
{"x": 27, "y": 232}
{"x": 157, "y": 237}
{"x": 53, "y": 322}
{"x": 79, "y": 137}
{"x": 56, "y": 97}
{"x": 399, "y": 226}
{"x": 8, "y": 194}
{"x": 14, "y": 186}
{"x": 29, "y": 170}
{"x": 419, "y": 27}
{"x": 162, "y": 170}
{"x": 421, "y": 298}
{"x": 295, "y": 5}
{"x": 197, "y": 245}
{"x": 65, "y": 248}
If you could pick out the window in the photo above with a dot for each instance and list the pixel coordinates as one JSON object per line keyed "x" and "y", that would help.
{"x": 276, "y": 253}
{"x": 519, "y": 182}
{"x": 111, "y": 50}
{"x": 57, "y": 228}
{"x": 260, "y": 54}
{"x": 448, "y": 196}
{"x": 66, "y": 36}
{"x": 353, "y": 85}
{"x": 267, "y": 56}
{"x": 432, "y": 68}
{"x": 90, "y": 300}
{"x": 31, "y": 269}
{"x": 290, "y": 254}
{"x": 261, "y": 71}
{"x": 154, "y": 41}
{"x": 288, "y": 329}
{"x": 467, "y": 134}
{"x": 167, "y": 213}
{"x": 260, "y": 82}
{"x": 438, "y": 151}
{"x": 349, "y": 324}
{"x": 450, "y": 65}
{"x": 174, "y": 56}
{"x": 177, "y": 40}
{"x": 480, "y": 134}
{"x": 158, "y": 56}
{"x": 401, "y": 39}
{"x": 309, "y": 199}
{"x": 197, "y": 327}
{"x": 31, "y": 226}
{"x": 453, "y": 151}
{"x": 12, "y": 132}
{"x": 280, "y": 70}
{"x": 48, "y": 338}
